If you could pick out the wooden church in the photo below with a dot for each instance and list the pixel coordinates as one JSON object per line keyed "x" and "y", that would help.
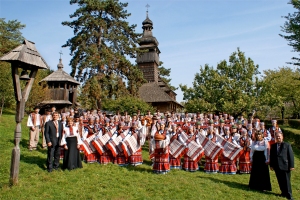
{"x": 62, "y": 88}
{"x": 155, "y": 92}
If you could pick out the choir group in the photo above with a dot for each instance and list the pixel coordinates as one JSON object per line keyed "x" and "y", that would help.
{"x": 223, "y": 143}
{"x": 119, "y": 139}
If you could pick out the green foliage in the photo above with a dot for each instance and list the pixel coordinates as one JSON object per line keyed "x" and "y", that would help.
{"x": 127, "y": 103}
{"x": 164, "y": 74}
{"x": 280, "y": 88}
{"x": 291, "y": 27}
{"x": 102, "y": 36}
{"x": 10, "y": 37}
{"x": 228, "y": 88}
{"x": 110, "y": 181}
{"x": 294, "y": 124}
{"x": 102, "y": 42}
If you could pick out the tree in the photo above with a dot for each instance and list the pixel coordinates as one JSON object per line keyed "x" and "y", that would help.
{"x": 10, "y": 37}
{"x": 228, "y": 88}
{"x": 102, "y": 42}
{"x": 281, "y": 90}
{"x": 292, "y": 29}
{"x": 164, "y": 74}
{"x": 127, "y": 103}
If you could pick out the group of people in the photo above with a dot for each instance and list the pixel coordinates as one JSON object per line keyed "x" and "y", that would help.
{"x": 176, "y": 141}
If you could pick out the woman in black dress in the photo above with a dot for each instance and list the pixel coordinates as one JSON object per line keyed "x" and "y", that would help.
{"x": 71, "y": 142}
{"x": 260, "y": 157}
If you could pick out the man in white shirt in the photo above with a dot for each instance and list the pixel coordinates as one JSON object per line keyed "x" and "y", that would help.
{"x": 34, "y": 122}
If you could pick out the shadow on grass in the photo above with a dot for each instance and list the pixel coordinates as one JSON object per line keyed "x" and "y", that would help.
{"x": 237, "y": 185}
{"x": 23, "y": 143}
{"x": 34, "y": 160}
{"x": 140, "y": 168}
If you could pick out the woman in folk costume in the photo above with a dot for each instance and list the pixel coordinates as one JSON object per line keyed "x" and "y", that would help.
{"x": 188, "y": 163}
{"x": 106, "y": 156}
{"x": 175, "y": 163}
{"x": 211, "y": 164}
{"x": 272, "y": 131}
{"x": 228, "y": 166}
{"x": 244, "y": 161}
{"x": 265, "y": 132}
{"x": 260, "y": 157}
{"x": 199, "y": 129}
{"x": 71, "y": 142}
{"x": 161, "y": 163}
{"x": 234, "y": 133}
{"x": 90, "y": 130}
{"x": 121, "y": 159}
{"x": 136, "y": 158}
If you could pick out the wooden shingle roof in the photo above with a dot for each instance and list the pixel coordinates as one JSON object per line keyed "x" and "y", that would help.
{"x": 60, "y": 75}
{"x": 152, "y": 92}
{"x": 26, "y": 53}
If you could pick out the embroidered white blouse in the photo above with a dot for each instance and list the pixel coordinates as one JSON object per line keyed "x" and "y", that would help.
{"x": 260, "y": 146}
{"x": 66, "y": 133}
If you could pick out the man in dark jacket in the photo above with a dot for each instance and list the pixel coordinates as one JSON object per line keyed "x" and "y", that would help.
{"x": 282, "y": 162}
{"x": 53, "y": 135}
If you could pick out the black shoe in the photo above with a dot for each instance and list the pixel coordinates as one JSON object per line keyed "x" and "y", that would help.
{"x": 49, "y": 170}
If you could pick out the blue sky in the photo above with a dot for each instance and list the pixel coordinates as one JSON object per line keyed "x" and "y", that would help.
{"x": 191, "y": 33}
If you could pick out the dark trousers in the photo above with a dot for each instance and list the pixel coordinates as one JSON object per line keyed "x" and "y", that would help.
{"x": 283, "y": 178}
{"x": 53, "y": 152}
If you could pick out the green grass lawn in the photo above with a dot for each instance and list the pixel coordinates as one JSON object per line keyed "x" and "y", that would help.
{"x": 97, "y": 181}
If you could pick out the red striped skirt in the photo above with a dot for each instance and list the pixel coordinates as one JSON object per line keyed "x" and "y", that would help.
{"x": 161, "y": 163}
{"x": 121, "y": 159}
{"x": 211, "y": 165}
{"x": 227, "y": 166}
{"x": 189, "y": 164}
{"x": 175, "y": 163}
{"x": 244, "y": 163}
{"x": 106, "y": 157}
{"x": 136, "y": 158}
{"x": 91, "y": 158}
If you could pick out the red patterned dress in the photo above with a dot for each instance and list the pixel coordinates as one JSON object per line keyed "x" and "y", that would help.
{"x": 227, "y": 166}
{"x": 188, "y": 163}
{"x": 175, "y": 163}
{"x": 244, "y": 161}
{"x": 106, "y": 156}
{"x": 161, "y": 163}
{"x": 136, "y": 158}
{"x": 93, "y": 157}
{"x": 211, "y": 164}
{"x": 121, "y": 159}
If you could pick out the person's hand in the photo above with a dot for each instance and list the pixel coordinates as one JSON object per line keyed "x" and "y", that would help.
{"x": 32, "y": 128}
{"x": 292, "y": 169}
{"x": 78, "y": 146}
{"x": 49, "y": 144}
{"x": 267, "y": 163}
{"x": 65, "y": 147}
{"x": 271, "y": 168}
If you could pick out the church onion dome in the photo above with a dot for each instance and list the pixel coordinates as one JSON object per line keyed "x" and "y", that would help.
{"x": 147, "y": 40}
{"x": 147, "y": 21}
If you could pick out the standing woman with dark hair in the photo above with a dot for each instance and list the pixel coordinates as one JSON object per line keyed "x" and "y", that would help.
{"x": 260, "y": 157}
{"x": 71, "y": 142}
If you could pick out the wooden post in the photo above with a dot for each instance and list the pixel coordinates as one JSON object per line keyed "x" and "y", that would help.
{"x": 21, "y": 98}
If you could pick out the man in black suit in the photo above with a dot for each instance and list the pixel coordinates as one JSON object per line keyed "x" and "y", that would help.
{"x": 282, "y": 162}
{"x": 53, "y": 135}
